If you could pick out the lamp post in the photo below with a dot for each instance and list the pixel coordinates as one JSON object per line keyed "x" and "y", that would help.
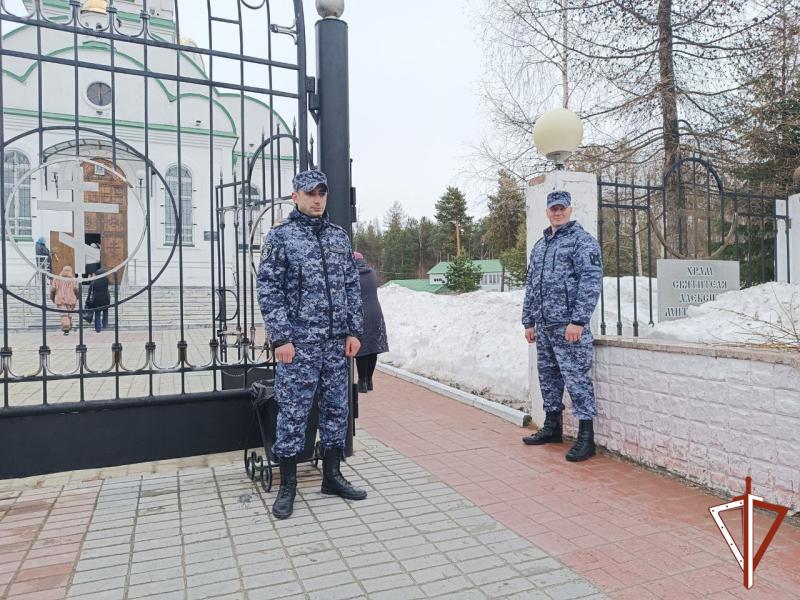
{"x": 334, "y": 110}
{"x": 557, "y": 135}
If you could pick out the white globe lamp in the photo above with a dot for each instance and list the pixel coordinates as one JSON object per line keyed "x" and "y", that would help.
{"x": 557, "y": 135}
{"x": 330, "y": 9}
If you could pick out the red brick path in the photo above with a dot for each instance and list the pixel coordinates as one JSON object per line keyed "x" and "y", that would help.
{"x": 41, "y": 532}
{"x": 634, "y": 533}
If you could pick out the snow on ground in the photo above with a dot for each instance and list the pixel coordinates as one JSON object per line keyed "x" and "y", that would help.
{"x": 475, "y": 341}
{"x": 471, "y": 341}
{"x": 611, "y": 309}
{"x": 757, "y": 315}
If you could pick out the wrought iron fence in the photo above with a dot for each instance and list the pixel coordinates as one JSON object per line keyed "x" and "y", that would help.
{"x": 136, "y": 133}
{"x": 689, "y": 214}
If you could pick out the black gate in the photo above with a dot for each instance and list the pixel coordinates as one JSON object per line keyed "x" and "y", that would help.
{"x": 156, "y": 140}
{"x": 687, "y": 214}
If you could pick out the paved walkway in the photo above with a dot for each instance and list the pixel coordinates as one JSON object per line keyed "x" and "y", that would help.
{"x": 632, "y": 532}
{"x": 458, "y": 508}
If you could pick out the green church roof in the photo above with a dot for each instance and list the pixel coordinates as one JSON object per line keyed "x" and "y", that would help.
{"x": 487, "y": 266}
{"x": 418, "y": 285}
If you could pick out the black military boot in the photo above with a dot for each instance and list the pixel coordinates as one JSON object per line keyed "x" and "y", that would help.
{"x": 362, "y": 386}
{"x": 550, "y": 433}
{"x": 333, "y": 482}
{"x": 284, "y": 503}
{"x": 584, "y": 446}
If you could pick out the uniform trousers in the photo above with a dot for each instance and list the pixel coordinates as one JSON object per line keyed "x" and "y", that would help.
{"x": 322, "y": 365}
{"x": 565, "y": 364}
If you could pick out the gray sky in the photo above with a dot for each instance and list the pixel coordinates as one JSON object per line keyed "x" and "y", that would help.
{"x": 415, "y": 110}
{"x": 414, "y": 91}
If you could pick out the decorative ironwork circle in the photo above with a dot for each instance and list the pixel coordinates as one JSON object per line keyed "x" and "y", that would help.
{"x": 149, "y": 167}
{"x": 81, "y": 161}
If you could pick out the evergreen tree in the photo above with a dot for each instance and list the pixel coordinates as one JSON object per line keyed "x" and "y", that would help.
{"x": 451, "y": 212}
{"x": 476, "y": 247}
{"x": 422, "y": 234}
{"x": 463, "y": 275}
{"x": 771, "y": 127}
{"x": 367, "y": 239}
{"x": 398, "y": 258}
{"x": 506, "y": 212}
{"x": 515, "y": 260}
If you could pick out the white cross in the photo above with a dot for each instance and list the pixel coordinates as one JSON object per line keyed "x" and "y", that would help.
{"x": 78, "y": 208}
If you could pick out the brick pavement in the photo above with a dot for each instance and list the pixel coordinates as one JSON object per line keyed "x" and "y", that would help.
{"x": 458, "y": 508}
{"x": 632, "y": 532}
{"x": 205, "y": 532}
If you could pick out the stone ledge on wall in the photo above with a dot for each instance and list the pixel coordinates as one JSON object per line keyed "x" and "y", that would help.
{"x": 742, "y": 352}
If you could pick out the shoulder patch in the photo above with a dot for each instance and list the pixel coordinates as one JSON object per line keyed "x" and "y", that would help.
{"x": 594, "y": 258}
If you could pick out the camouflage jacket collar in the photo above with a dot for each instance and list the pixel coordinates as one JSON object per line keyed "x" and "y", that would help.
{"x": 306, "y": 221}
{"x": 563, "y": 230}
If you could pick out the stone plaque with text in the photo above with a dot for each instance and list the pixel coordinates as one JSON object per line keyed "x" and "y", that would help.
{"x": 685, "y": 283}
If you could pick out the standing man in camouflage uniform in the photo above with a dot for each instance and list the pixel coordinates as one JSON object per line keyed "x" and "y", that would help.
{"x": 561, "y": 292}
{"x": 308, "y": 291}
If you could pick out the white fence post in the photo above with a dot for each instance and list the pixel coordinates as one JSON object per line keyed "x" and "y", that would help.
{"x": 583, "y": 189}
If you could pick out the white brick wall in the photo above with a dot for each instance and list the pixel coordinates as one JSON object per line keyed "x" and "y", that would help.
{"x": 713, "y": 415}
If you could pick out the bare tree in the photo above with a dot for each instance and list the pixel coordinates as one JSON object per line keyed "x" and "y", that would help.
{"x": 649, "y": 79}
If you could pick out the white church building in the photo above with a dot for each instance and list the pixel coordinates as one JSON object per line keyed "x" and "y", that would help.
{"x": 74, "y": 156}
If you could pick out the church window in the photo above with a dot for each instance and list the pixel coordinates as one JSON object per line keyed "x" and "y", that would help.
{"x": 99, "y": 94}
{"x": 184, "y": 196}
{"x": 16, "y": 165}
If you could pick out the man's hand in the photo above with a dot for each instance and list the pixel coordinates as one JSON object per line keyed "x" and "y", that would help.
{"x": 285, "y": 354}
{"x": 351, "y": 346}
{"x": 530, "y": 335}
{"x": 573, "y": 333}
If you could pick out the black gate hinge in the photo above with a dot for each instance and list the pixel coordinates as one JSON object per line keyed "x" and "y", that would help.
{"x": 313, "y": 98}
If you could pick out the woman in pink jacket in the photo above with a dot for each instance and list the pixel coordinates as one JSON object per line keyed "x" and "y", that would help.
{"x": 64, "y": 294}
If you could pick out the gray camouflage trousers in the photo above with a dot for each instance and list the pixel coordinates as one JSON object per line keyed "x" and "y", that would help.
{"x": 563, "y": 363}
{"x": 322, "y": 365}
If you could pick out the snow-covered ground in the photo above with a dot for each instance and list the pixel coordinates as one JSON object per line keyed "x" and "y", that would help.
{"x": 762, "y": 314}
{"x": 475, "y": 341}
{"x": 471, "y": 341}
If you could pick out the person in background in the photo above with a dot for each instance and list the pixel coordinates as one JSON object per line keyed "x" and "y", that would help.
{"x": 43, "y": 260}
{"x": 99, "y": 299}
{"x": 374, "y": 340}
{"x": 64, "y": 292}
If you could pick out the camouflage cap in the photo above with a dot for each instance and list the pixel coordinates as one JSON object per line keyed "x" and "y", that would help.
{"x": 307, "y": 181}
{"x": 559, "y": 198}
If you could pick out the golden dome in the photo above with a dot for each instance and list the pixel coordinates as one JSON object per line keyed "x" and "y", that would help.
{"x": 95, "y": 6}
{"x": 186, "y": 41}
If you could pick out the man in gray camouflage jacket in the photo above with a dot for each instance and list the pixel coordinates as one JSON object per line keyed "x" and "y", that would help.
{"x": 309, "y": 294}
{"x": 565, "y": 274}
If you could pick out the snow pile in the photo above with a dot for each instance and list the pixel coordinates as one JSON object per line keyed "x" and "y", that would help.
{"x": 763, "y": 314}
{"x": 626, "y": 289}
{"x": 473, "y": 342}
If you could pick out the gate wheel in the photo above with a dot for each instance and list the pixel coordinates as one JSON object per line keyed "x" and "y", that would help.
{"x": 266, "y": 477}
{"x": 251, "y": 464}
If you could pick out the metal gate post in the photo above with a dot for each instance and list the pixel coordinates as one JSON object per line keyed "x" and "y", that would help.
{"x": 333, "y": 87}
{"x": 334, "y": 117}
